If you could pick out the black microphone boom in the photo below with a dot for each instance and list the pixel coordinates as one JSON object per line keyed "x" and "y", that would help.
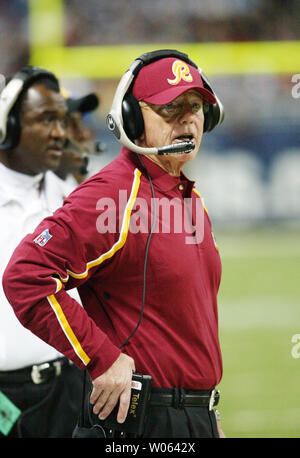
{"x": 177, "y": 148}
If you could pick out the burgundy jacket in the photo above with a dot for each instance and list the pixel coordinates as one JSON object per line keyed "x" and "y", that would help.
{"x": 96, "y": 242}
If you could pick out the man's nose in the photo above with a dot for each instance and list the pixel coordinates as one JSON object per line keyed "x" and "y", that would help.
{"x": 58, "y": 130}
{"x": 187, "y": 114}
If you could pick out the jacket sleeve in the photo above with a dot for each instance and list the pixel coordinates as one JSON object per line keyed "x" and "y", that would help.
{"x": 63, "y": 247}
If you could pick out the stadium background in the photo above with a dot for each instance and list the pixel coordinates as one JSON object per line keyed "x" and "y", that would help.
{"x": 248, "y": 170}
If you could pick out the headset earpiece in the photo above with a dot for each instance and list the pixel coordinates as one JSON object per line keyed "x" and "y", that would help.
{"x": 132, "y": 117}
{"x": 211, "y": 117}
{"x": 213, "y": 113}
{"x": 12, "y": 132}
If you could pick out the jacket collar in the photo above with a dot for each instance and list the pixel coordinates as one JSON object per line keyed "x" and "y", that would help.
{"x": 160, "y": 177}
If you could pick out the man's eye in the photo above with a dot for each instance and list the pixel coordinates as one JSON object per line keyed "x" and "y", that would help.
{"x": 170, "y": 108}
{"x": 196, "y": 107}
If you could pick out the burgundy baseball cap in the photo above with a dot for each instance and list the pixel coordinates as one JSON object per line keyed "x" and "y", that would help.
{"x": 163, "y": 80}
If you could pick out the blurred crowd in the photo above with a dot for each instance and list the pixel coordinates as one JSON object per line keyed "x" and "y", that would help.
{"x": 143, "y": 21}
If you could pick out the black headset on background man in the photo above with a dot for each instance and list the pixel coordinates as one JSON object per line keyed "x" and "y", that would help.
{"x": 125, "y": 118}
{"x": 10, "y": 128}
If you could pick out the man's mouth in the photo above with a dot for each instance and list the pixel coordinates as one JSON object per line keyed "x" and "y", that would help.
{"x": 184, "y": 138}
{"x": 55, "y": 151}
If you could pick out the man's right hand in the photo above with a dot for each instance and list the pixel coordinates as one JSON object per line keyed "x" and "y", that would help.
{"x": 111, "y": 386}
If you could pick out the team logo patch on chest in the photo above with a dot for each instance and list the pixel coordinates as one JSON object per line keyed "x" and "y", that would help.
{"x": 43, "y": 238}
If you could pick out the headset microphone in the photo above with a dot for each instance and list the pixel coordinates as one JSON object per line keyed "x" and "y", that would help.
{"x": 182, "y": 147}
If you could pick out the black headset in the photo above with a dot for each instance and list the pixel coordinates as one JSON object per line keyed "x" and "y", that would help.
{"x": 10, "y": 128}
{"x": 125, "y": 118}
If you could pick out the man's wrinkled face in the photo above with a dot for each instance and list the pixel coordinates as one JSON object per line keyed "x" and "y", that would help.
{"x": 43, "y": 118}
{"x": 180, "y": 120}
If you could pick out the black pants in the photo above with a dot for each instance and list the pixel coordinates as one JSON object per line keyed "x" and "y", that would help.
{"x": 162, "y": 422}
{"x": 169, "y": 422}
{"x": 49, "y": 409}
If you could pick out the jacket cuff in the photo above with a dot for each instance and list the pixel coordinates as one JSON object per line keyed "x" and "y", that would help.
{"x": 108, "y": 353}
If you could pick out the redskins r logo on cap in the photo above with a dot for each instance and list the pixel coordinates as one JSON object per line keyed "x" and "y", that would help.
{"x": 155, "y": 82}
{"x": 181, "y": 71}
